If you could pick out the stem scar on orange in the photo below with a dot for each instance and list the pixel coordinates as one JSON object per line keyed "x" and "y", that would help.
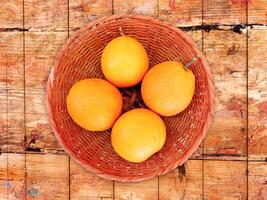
{"x": 124, "y": 61}
{"x": 94, "y": 104}
{"x": 138, "y": 134}
{"x": 168, "y": 88}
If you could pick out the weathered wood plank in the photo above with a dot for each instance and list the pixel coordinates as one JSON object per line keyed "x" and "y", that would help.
{"x": 40, "y": 53}
{"x": 224, "y": 11}
{"x": 137, "y": 7}
{"x": 257, "y": 12}
{"x": 47, "y": 176}
{"x": 226, "y": 54}
{"x": 82, "y": 12}
{"x": 257, "y": 176}
{"x": 85, "y": 185}
{"x": 145, "y": 190}
{"x": 257, "y": 62}
{"x": 225, "y": 180}
{"x": 12, "y": 90}
{"x": 185, "y": 182}
{"x": 11, "y": 14}
{"x": 46, "y": 15}
{"x": 182, "y": 12}
{"x": 12, "y": 176}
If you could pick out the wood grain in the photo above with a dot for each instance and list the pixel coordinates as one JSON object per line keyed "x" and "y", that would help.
{"x": 225, "y": 180}
{"x": 145, "y": 190}
{"x": 226, "y": 54}
{"x": 257, "y": 12}
{"x": 12, "y": 90}
{"x": 46, "y": 15}
{"x": 82, "y": 12}
{"x": 11, "y": 15}
{"x": 224, "y": 11}
{"x": 257, "y": 75}
{"x": 137, "y": 7}
{"x": 41, "y": 49}
{"x": 85, "y": 185}
{"x": 47, "y": 176}
{"x": 257, "y": 177}
{"x": 185, "y": 182}
{"x": 181, "y": 12}
{"x": 12, "y": 176}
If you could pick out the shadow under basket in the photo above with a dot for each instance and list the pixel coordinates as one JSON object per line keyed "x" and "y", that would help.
{"x": 80, "y": 58}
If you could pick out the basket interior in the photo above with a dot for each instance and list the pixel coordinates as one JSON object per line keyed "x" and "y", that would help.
{"x": 80, "y": 59}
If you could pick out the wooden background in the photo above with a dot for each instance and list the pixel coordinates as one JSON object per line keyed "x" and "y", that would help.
{"x": 230, "y": 164}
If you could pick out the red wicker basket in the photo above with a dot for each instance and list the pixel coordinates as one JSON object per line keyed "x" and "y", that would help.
{"x": 80, "y": 58}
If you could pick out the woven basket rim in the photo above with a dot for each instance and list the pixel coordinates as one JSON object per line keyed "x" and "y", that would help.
{"x": 177, "y": 162}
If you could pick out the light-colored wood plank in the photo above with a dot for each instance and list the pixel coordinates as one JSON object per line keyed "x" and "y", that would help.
{"x": 47, "y": 176}
{"x": 224, "y": 12}
{"x": 225, "y": 180}
{"x": 145, "y": 190}
{"x": 4, "y": 184}
{"x": 257, "y": 176}
{"x": 12, "y": 90}
{"x": 12, "y": 176}
{"x": 40, "y": 53}
{"x": 137, "y": 7}
{"x": 181, "y": 12}
{"x": 257, "y": 62}
{"x": 85, "y": 185}
{"x": 11, "y": 14}
{"x": 83, "y": 11}
{"x": 225, "y": 51}
{"x": 45, "y": 15}
{"x": 257, "y": 12}
{"x": 185, "y": 182}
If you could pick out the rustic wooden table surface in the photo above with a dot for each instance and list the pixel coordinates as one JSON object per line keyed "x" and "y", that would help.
{"x": 230, "y": 164}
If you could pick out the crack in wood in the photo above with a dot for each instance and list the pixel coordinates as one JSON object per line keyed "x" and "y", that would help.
{"x": 13, "y": 29}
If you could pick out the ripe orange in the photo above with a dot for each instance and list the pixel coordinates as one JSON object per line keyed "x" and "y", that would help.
{"x": 94, "y": 104}
{"x": 124, "y": 61}
{"x": 138, "y": 134}
{"x": 168, "y": 88}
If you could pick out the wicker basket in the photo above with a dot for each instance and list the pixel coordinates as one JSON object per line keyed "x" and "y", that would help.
{"x": 80, "y": 58}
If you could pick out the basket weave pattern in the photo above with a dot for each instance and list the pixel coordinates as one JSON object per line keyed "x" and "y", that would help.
{"x": 80, "y": 59}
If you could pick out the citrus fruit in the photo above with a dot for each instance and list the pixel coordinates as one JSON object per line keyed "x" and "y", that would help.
{"x": 94, "y": 104}
{"x": 168, "y": 88}
{"x": 138, "y": 134}
{"x": 124, "y": 61}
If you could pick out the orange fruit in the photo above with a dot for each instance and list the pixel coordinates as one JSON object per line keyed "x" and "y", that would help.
{"x": 124, "y": 61}
{"x": 94, "y": 104}
{"x": 138, "y": 134}
{"x": 168, "y": 88}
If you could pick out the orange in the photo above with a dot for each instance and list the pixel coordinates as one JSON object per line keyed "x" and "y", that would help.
{"x": 94, "y": 104}
{"x": 138, "y": 134}
{"x": 168, "y": 88}
{"x": 124, "y": 61}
